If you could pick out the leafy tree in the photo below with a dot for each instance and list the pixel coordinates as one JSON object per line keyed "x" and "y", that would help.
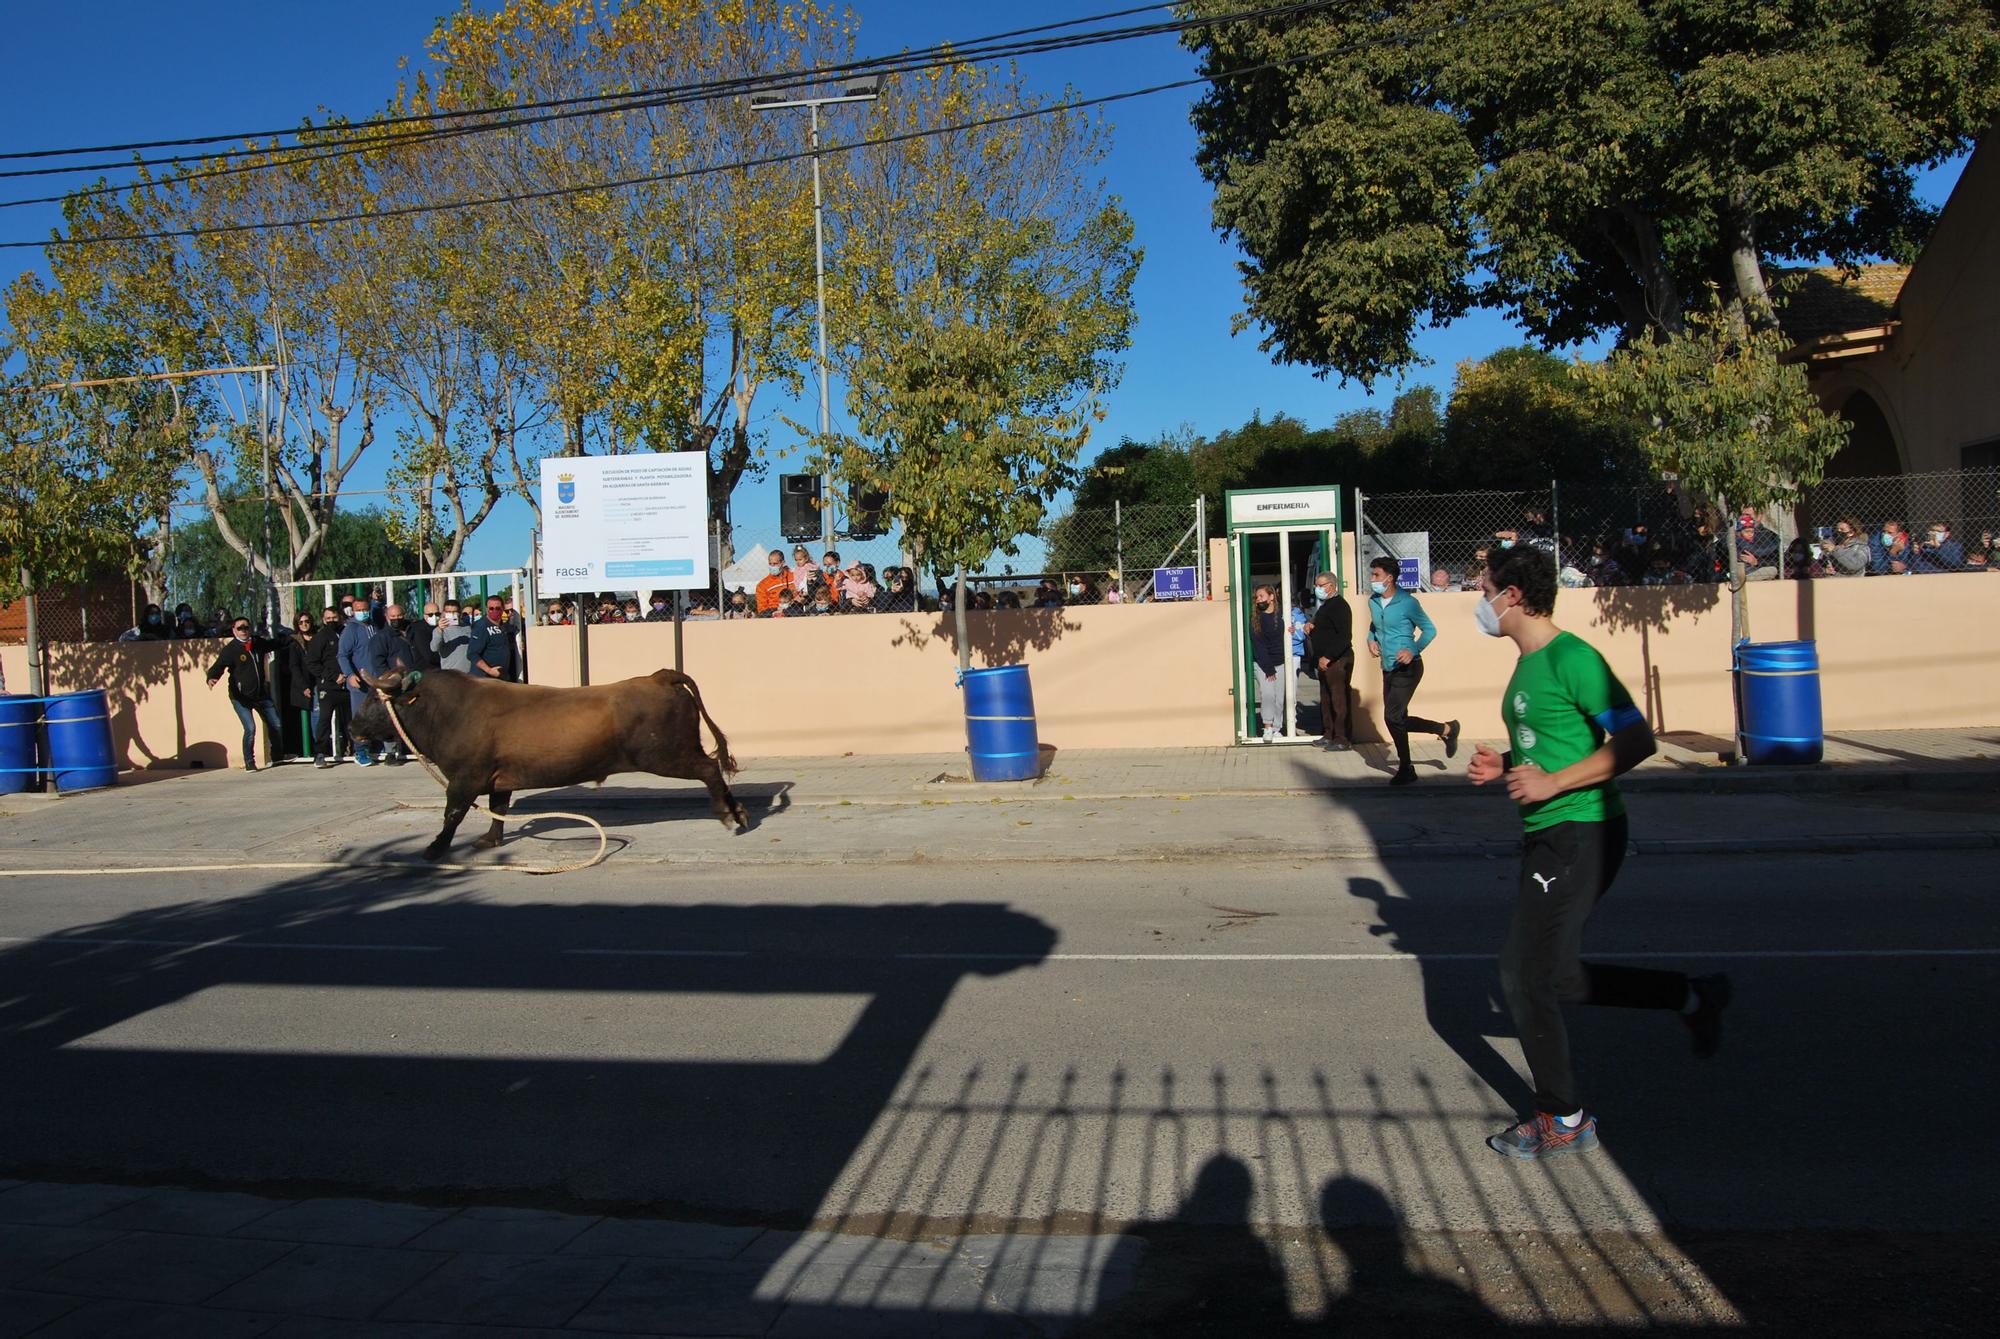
{"x": 1740, "y": 426}
{"x": 204, "y": 568}
{"x": 1585, "y": 166}
{"x": 988, "y": 287}
{"x": 1521, "y": 415}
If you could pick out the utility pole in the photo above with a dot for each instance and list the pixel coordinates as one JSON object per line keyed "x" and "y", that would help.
{"x": 858, "y": 90}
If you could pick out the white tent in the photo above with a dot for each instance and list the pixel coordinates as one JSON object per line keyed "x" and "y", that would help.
{"x": 746, "y": 571}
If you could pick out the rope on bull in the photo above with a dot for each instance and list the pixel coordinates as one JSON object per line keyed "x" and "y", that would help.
{"x": 603, "y": 842}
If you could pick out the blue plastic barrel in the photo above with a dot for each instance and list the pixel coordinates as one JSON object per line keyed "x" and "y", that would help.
{"x": 1779, "y": 686}
{"x": 1000, "y": 724}
{"x": 19, "y": 717}
{"x": 79, "y": 726}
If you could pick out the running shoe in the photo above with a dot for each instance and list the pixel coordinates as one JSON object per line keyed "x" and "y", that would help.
{"x": 1544, "y": 1136}
{"x": 1712, "y": 995}
{"x": 364, "y": 758}
{"x": 1451, "y": 739}
{"x": 1406, "y": 775}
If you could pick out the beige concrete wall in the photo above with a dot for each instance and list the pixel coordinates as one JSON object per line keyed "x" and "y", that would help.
{"x": 1896, "y": 652}
{"x": 1133, "y": 676}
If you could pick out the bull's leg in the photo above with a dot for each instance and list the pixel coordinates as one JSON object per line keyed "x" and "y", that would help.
{"x": 456, "y": 804}
{"x": 721, "y": 800}
{"x": 498, "y": 803}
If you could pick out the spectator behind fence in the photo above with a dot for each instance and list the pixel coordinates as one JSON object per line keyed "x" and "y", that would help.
{"x": 804, "y": 569}
{"x": 1757, "y": 546}
{"x": 830, "y": 568}
{"x": 220, "y": 625}
{"x": 552, "y": 614}
{"x": 901, "y": 595}
{"x": 1441, "y": 580}
{"x": 1047, "y": 595}
{"x": 740, "y": 605}
{"x": 771, "y": 590}
{"x": 1007, "y": 599}
{"x": 1892, "y": 550}
{"x": 186, "y": 625}
{"x": 242, "y": 659}
{"x": 658, "y": 610}
{"x": 632, "y": 614}
{"x": 330, "y": 702}
{"x": 454, "y": 639}
{"x": 151, "y": 627}
{"x": 858, "y": 590}
{"x": 1114, "y": 587}
{"x": 1847, "y": 555}
{"x": 1938, "y": 551}
{"x": 1800, "y": 562}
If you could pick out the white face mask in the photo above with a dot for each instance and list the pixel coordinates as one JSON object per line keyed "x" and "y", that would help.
{"x": 1379, "y": 587}
{"x": 1937, "y": 536}
{"x": 431, "y": 619}
{"x": 1487, "y": 617}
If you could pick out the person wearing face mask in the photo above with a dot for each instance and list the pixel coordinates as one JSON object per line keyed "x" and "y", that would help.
{"x": 1849, "y": 554}
{"x": 350, "y": 653}
{"x": 330, "y": 700}
{"x": 660, "y": 610}
{"x": 299, "y": 698}
{"x": 1572, "y": 731}
{"x": 242, "y": 659}
{"x": 901, "y": 595}
{"x": 1892, "y": 555}
{"x": 1330, "y": 651}
{"x": 1938, "y": 551}
{"x": 453, "y": 641}
{"x": 1267, "y": 654}
{"x": 423, "y": 638}
{"x": 771, "y": 590}
{"x": 151, "y": 627}
{"x": 1399, "y": 632}
{"x": 389, "y": 649}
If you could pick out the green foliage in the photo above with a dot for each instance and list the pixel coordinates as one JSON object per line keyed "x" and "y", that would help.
{"x": 1723, "y": 410}
{"x": 988, "y": 291}
{"x": 203, "y": 569}
{"x": 1583, "y": 167}
{"x": 1521, "y": 416}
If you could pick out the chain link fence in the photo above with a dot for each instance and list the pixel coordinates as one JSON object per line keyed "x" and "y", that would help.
{"x": 1615, "y": 534}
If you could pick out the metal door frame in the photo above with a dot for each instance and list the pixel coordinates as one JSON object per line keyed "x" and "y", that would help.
{"x": 1306, "y": 512}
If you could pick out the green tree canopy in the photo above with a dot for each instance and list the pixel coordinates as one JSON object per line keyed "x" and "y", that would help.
{"x": 1582, "y": 166}
{"x": 206, "y": 571}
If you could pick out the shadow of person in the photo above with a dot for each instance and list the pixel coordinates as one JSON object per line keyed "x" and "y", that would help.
{"x": 1383, "y": 1294}
{"x": 1204, "y": 1271}
{"x": 1461, "y": 997}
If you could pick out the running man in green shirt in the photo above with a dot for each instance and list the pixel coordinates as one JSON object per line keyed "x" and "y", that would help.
{"x": 1571, "y": 731}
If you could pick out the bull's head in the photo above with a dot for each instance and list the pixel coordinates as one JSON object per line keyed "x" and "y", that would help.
{"x": 397, "y": 686}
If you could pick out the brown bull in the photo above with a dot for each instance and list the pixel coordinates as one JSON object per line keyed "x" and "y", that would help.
{"x": 494, "y": 738}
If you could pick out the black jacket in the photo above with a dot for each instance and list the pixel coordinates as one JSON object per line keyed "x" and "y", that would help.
{"x": 243, "y": 662}
{"x": 321, "y": 653}
{"x": 422, "y": 638}
{"x": 1267, "y": 640}
{"x": 298, "y": 672}
{"x": 1333, "y": 631}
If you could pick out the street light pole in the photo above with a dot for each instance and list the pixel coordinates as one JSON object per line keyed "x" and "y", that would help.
{"x": 860, "y": 90}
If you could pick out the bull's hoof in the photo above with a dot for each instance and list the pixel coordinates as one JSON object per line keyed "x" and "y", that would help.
{"x": 435, "y": 851}
{"x": 488, "y": 842}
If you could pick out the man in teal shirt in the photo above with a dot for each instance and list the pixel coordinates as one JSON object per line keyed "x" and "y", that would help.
{"x": 1399, "y": 632}
{"x": 1571, "y": 731}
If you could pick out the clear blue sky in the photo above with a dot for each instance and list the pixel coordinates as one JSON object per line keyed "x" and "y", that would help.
{"x": 101, "y": 73}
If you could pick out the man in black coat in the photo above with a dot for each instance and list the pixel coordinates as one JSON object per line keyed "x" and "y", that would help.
{"x": 330, "y": 701}
{"x": 389, "y": 649}
{"x": 423, "y": 639}
{"x": 242, "y": 659}
{"x": 1330, "y": 651}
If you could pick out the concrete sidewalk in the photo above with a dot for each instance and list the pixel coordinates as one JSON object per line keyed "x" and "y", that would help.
{"x": 124, "y": 1262}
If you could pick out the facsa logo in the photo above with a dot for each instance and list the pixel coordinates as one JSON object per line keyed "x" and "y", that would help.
{"x": 572, "y": 571}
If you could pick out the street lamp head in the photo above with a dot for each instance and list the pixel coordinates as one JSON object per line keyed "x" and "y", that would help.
{"x": 765, "y": 99}
{"x": 867, "y": 86}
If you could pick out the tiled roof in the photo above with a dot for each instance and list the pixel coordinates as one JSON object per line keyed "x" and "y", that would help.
{"x": 1815, "y": 303}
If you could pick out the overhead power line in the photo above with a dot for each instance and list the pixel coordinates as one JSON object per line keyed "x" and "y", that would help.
{"x": 234, "y": 137}
{"x": 681, "y": 174}
{"x": 347, "y": 140}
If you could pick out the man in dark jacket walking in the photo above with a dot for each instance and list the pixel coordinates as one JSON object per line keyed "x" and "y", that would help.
{"x": 330, "y": 702}
{"x": 242, "y": 659}
{"x": 389, "y": 649}
{"x": 1330, "y": 650}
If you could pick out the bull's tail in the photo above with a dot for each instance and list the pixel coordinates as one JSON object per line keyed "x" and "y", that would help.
{"x": 721, "y": 755}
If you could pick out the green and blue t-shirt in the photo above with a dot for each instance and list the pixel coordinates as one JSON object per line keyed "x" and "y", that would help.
{"x": 1561, "y": 703}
